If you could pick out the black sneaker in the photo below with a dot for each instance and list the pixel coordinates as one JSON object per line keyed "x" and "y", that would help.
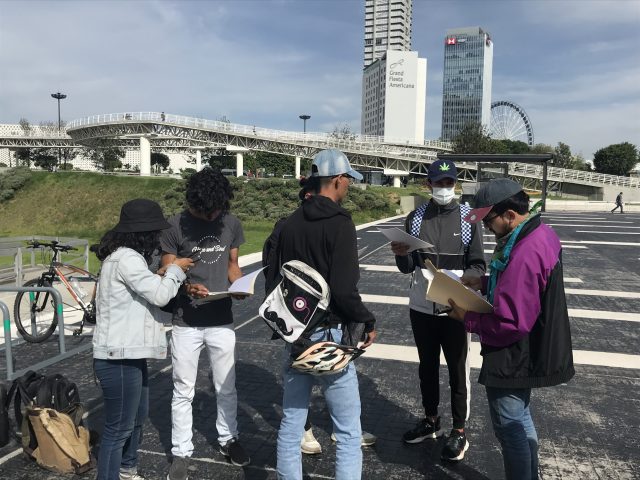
{"x": 423, "y": 430}
{"x": 179, "y": 469}
{"x": 455, "y": 446}
{"x": 235, "y": 453}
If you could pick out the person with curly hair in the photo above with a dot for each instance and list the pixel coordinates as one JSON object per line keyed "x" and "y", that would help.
{"x": 207, "y": 232}
{"x": 128, "y": 330}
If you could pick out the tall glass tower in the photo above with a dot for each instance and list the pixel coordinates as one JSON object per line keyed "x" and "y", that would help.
{"x": 387, "y": 26}
{"x": 466, "y": 93}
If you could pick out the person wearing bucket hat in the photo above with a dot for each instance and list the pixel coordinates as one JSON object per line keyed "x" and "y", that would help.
{"x": 321, "y": 234}
{"x": 457, "y": 247}
{"x": 208, "y": 231}
{"x": 526, "y": 340}
{"x": 128, "y": 329}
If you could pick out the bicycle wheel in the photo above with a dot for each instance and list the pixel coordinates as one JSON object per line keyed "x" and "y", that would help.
{"x": 35, "y": 312}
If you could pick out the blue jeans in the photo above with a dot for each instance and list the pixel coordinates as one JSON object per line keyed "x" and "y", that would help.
{"x": 343, "y": 400}
{"x": 513, "y": 426}
{"x": 125, "y": 389}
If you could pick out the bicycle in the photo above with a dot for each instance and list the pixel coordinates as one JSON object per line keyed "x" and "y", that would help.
{"x": 35, "y": 312}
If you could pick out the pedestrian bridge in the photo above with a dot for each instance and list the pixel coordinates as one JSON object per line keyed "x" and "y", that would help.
{"x": 177, "y": 133}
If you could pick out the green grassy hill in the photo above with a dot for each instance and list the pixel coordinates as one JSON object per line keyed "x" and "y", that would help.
{"x": 85, "y": 205}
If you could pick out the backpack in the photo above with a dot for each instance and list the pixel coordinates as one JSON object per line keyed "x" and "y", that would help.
{"x": 23, "y": 393}
{"x": 298, "y": 304}
{"x": 61, "y": 445}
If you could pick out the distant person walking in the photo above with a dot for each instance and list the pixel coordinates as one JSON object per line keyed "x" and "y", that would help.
{"x": 618, "y": 203}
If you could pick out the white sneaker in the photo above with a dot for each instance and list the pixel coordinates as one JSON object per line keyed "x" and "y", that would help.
{"x": 368, "y": 439}
{"x": 129, "y": 475}
{"x": 309, "y": 444}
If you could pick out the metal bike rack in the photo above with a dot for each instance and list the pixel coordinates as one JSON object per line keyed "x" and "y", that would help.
{"x": 61, "y": 340}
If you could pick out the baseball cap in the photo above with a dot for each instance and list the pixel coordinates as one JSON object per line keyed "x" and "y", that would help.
{"x": 332, "y": 162}
{"x": 442, "y": 169}
{"x": 490, "y": 194}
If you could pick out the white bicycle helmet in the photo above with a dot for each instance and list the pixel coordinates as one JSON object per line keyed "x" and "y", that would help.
{"x": 325, "y": 358}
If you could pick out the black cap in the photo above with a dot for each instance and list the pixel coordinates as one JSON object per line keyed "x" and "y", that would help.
{"x": 490, "y": 194}
{"x": 442, "y": 169}
{"x": 141, "y": 215}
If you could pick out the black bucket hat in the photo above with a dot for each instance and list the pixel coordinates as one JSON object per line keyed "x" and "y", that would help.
{"x": 141, "y": 215}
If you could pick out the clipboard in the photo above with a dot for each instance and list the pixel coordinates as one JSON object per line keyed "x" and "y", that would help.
{"x": 397, "y": 235}
{"x": 443, "y": 285}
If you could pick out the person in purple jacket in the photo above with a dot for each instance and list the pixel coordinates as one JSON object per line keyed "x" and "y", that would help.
{"x": 526, "y": 341}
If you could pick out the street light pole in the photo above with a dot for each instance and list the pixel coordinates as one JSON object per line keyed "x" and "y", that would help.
{"x": 59, "y": 96}
{"x": 304, "y": 119}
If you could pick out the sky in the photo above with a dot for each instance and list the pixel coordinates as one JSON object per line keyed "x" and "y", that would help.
{"x": 573, "y": 65}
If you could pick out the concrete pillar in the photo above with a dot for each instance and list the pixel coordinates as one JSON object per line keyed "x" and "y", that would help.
{"x": 396, "y": 181}
{"x": 239, "y": 164}
{"x": 297, "y": 167}
{"x": 145, "y": 157}
{"x": 198, "y": 160}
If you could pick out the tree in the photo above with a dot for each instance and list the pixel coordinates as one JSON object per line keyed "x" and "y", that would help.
{"x": 343, "y": 132}
{"x": 218, "y": 158}
{"x": 23, "y": 157}
{"x": 46, "y": 158}
{"x": 473, "y": 138}
{"x": 25, "y": 125}
{"x": 562, "y": 157}
{"x": 579, "y": 163}
{"x": 106, "y": 158}
{"x": 541, "y": 148}
{"x": 616, "y": 159}
{"x": 160, "y": 161}
{"x": 514, "y": 146}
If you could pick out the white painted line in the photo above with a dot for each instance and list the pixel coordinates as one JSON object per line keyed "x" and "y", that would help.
{"x": 573, "y": 312}
{"x": 586, "y": 225}
{"x": 596, "y": 242}
{"x": 580, "y": 357}
{"x": 610, "y": 233}
{"x": 381, "y": 268}
{"x": 378, "y": 222}
{"x": 248, "y": 321}
{"x": 581, "y": 219}
{"x": 224, "y": 462}
{"x": 572, "y": 280}
{"x": 602, "y": 293}
{"x": 563, "y": 245}
{"x": 604, "y": 315}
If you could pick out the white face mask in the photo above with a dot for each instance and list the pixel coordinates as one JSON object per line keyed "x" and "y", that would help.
{"x": 442, "y": 196}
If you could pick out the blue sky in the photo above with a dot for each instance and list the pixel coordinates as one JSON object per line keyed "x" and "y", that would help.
{"x": 573, "y": 65}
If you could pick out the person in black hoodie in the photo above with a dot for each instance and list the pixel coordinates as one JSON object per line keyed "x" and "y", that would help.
{"x": 321, "y": 234}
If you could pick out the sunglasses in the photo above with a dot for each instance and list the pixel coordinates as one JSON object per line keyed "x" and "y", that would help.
{"x": 487, "y": 221}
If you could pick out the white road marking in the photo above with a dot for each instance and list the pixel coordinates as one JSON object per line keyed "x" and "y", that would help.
{"x": 563, "y": 245}
{"x": 602, "y": 293}
{"x": 587, "y": 225}
{"x": 580, "y": 357}
{"x": 596, "y": 242}
{"x": 573, "y": 312}
{"x": 610, "y": 233}
{"x": 572, "y": 280}
{"x": 380, "y": 268}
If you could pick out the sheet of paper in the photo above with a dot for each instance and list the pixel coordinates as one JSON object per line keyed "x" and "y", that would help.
{"x": 397, "y": 235}
{"x": 242, "y": 286}
{"x": 442, "y": 286}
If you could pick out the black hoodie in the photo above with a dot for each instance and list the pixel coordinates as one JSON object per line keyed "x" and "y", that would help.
{"x": 321, "y": 234}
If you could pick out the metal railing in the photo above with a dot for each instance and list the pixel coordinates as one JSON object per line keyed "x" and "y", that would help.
{"x": 8, "y": 341}
{"x": 563, "y": 174}
{"x": 13, "y": 246}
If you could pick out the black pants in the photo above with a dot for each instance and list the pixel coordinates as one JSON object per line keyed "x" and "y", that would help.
{"x": 432, "y": 332}
{"x": 618, "y": 206}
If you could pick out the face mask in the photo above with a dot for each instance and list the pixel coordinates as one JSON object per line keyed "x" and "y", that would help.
{"x": 442, "y": 196}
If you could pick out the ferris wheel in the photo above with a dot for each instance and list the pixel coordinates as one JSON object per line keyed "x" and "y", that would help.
{"x": 509, "y": 121}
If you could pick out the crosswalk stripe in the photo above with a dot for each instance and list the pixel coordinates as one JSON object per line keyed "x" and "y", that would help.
{"x": 406, "y": 353}
{"x": 573, "y": 312}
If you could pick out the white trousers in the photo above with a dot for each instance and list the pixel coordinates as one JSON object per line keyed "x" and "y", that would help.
{"x": 186, "y": 344}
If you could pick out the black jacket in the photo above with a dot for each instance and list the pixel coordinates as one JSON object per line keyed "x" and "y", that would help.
{"x": 543, "y": 357}
{"x": 321, "y": 234}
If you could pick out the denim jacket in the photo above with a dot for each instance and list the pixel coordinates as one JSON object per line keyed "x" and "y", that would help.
{"x": 128, "y": 324}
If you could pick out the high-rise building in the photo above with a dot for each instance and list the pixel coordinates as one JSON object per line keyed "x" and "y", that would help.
{"x": 387, "y": 26}
{"x": 393, "y": 97}
{"x": 466, "y": 93}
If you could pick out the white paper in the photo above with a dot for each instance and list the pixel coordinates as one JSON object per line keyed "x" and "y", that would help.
{"x": 242, "y": 286}
{"x": 397, "y": 235}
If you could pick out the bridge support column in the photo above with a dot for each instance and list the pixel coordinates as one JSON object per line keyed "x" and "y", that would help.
{"x": 396, "y": 181}
{"x": 198, "y": 160}
{"x": 297, "y": 167}
{"x": 145, "y": 157}
{"x": 239, "y": 164}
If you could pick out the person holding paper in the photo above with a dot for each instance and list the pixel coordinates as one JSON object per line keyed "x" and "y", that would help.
{"x": 526, "y": 341}
{"x": 458, "y": 247}
{"x": 321, "y": 234}
{"x": 207, "y": 232}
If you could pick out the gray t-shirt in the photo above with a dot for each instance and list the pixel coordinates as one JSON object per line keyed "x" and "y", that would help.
{"x": 211, "y": 241}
